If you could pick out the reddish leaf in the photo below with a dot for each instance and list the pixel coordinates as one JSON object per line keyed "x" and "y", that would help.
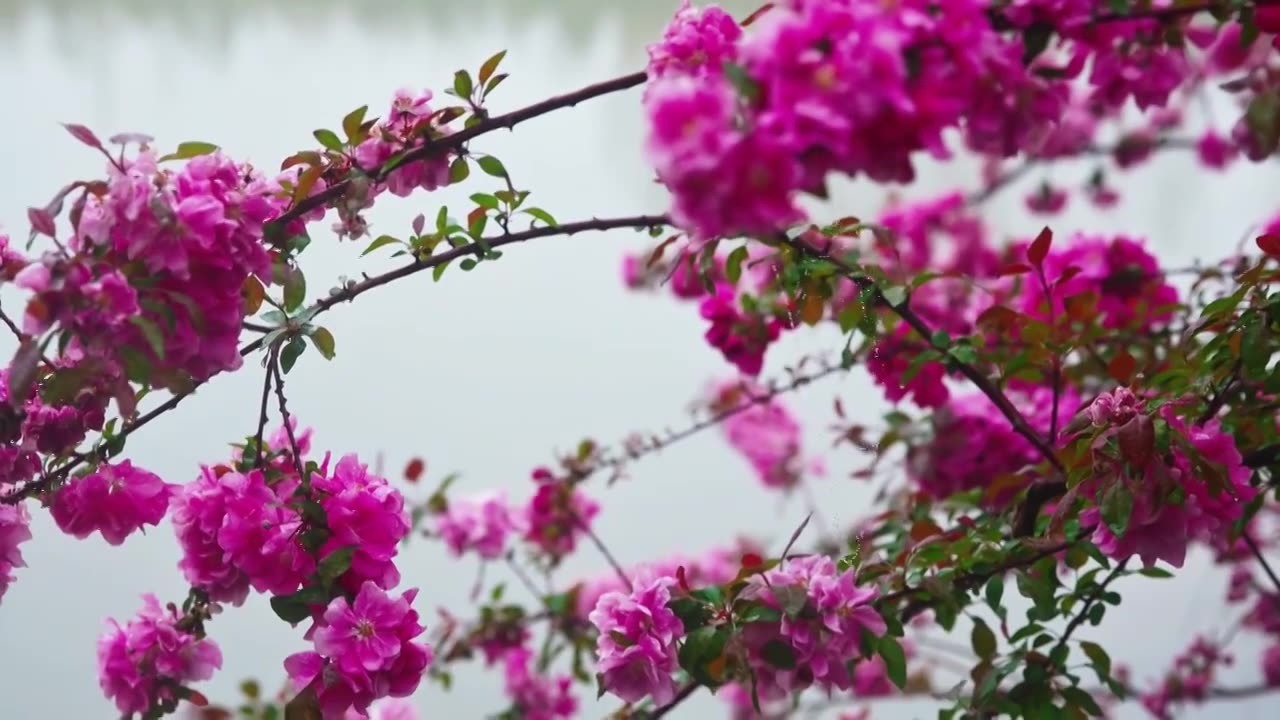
{"x": 1070, "y": 272}
{"x": 1040, "y": 247}
{"x": 197, "y": 698}
{"x": 84, "y": 135}
{"x": 656, "y": 255}
{"x": 751, "y": 560}
{"x": 1121, "y": 367}
{"x": 1014, "y": 269}
{"x": 682, "y": 579}
{"x": 924, "y": 529}
{"x": 413, "y": 471}
{"x": 997, "y": 319}
{"x": 22, "y": 372}
{"x": 1137, "y": 440}
{"x": 41, "y": 221}
{"x": 1269, "y": 244}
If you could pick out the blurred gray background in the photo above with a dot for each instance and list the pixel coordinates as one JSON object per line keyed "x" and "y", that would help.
{"x": 485, "y": 373}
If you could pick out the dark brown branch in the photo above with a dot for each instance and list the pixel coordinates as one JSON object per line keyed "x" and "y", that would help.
{"x": 274, "y": 363}
{"x": 1088, "y": 603}
{"x": 434, "y": 148}
{"x": 683, "y": 694}
{"x": 37, "y": 487}
{"x": 260, "y": 455}
{"x": 1262, "y": 560}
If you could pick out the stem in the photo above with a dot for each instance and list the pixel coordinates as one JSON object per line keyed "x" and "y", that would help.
{"x": 284, "y": 416}
{"x": 1088, "y": 603}
{"x": 1257, "y": 553}
{"x": 436, "y": 147}
{"x": 259, "y": 454}
{"x": 683, "y": 694}
{"x": 608, "y": 556}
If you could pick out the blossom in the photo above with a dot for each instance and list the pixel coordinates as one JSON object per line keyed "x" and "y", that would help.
{"x": 14, "y": 530}
{"x": 481, "y": 524}
{"x": 386, "y": 709}
{"x": 765, "y": 433}
{"x": 891, "y": 360}
{"x": 636, "y": 647}
{"x": 1114, "y": 408}
{"x": 697, "y": 42}
{"x": 824, "y": 616}
{"x": 1271, "y": 665}
{"x": 1047, "y": 200}
{"x": 364, "y": 650}
{"x": 1215, "y": 151}
{"x": 144, "y": 661}
{"x": 397, "y": 132}
{"x": 363, "y": 512}
{"x": 742, "y": 337}
{"x": 198, "y": 512}
{"x": 536, "y": 696}
{"x": 260, "y": 535}
{"x": 114, "y": 500}
{"x": 1177, "y": 502}
{"x": 556, "y": 515}
{"x": 1126, "y": 280}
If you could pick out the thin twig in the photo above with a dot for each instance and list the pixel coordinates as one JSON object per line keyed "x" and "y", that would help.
{"x": 1088, "y": 603}
{"x": 260, "y": 454}
{"x": 608, "y": 556}
{"x": 1257, "y": 553}
{"x": 683, "y": 694}
{"x": 284, "y": 417}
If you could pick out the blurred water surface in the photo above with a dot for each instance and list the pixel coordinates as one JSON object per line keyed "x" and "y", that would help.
{"x": 485, "y": 373}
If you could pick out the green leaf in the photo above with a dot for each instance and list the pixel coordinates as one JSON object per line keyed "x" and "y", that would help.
{"x": 295, "y": 289}
{"x": 438, "y": 271}
{"x": 289, "y": 609}
{"x": 542, "y": 215}
{"x": 492, "y": 166}
{"x": 462, "y": 83}
{"x": 1082, "y": 700}
{"x": 1155, "y": 572}
{"x": 323, "y": 340}
{"x": 760, "y": 613}
{"x": 895, "y": 296}
{"x": 485, "y": 200}
{"x": 693, "y": 613}
{"x": 1117, "y": 506}
{"x": 792, "y": 598}
{"x": 702, "y": 647}
{"x": 1035, "y": 39}
{"x": 380, "y": 241}
{"x": 733, "y": 266}
{"x": 779, "y": 653}
{"x": 710, "y": 594}
{"x": 351, "y": 123}
{"x": 983, "y": 640}
{"x": 289, "y": 355}
{"x": 895, "y": 661}
{"x": 335, "y": 564}
{"x": 459, "y": 170}
{"x": 467, "y": 264}
{"x": 1098, "y": 658}
{"x": 486, "y": 70}
{"x": 189, "y": 150}
{"x": 152, "y": 334}
{"x": 329, "y": 139}
{"x": 741, "y": 81}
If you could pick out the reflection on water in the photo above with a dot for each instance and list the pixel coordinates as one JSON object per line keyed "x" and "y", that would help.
{"x": 210, "y": 27}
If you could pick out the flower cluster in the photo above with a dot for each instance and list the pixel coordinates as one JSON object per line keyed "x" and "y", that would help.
{"x": 481, "y": 525}
{"x": 1185, "y": 483}
{"x": 365, "y": 649}
{"x": 636, "y": 649}
{"x": 1190, "y": 680}
{"x": 973, "y": 445}
{"x": 149, "y": 662}
{"x": 535, "y": 696}
{"x": 765, "y": 433}
{"x": 409, "y": 119}
{"x": 716, "y": 566}
{"x": 557, "y": 515}
{"x": 14, "y": 530}
{"x": 824, "y": 615}
{"x": 114, "y": 499}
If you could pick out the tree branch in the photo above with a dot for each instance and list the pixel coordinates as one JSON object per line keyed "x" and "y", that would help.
{"x": 1088, "y": 603}
{"x": 260, "y": 454}
{"x": 433, "y": 148}
{"x": 37, "y": 487}
{"x": 1262, "y": 560}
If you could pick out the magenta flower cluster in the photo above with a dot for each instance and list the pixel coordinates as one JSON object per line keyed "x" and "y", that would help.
{"x": 636, "y": 646}
{"x": 152, "y": 659}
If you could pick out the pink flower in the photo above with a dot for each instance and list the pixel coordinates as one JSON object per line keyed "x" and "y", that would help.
{"x": 1215, "y": 151}
{"x": 696, "y": 42}
{"x": 556, "y": 515}
{"x": 823, "y": 616}
{"x": 260, "y": 535}
{"x": 1271, "y": 665}
{"x": 891, "y": 360}
{"x": 535, "y": 696}
{"x": 1048, "y": 200}
{"x": 142, "y": 663}
{"x": 481, "y": 524}
{"x": 1174, "y": 504}
{"x": 364, "y": 651}
{"x": 636, "y": 648}
{"x": 741, "y": 337}
{"x": 114, "y": 499}
{"x": 199, "y": 510}
{"x": 1114, "y": 408}
{"x": 386, "y": 709}
{"x": 765, "y": 433}
{"x": 363, "y": 511}
{"x": 14, "y": 530}
{"x": 973, "y": 444}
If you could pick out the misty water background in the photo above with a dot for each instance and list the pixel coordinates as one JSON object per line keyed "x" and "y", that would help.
{"x": 484, "y": 373}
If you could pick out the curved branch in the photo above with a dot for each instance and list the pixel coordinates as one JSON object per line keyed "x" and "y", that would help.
{"x": 37, "y": 487}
